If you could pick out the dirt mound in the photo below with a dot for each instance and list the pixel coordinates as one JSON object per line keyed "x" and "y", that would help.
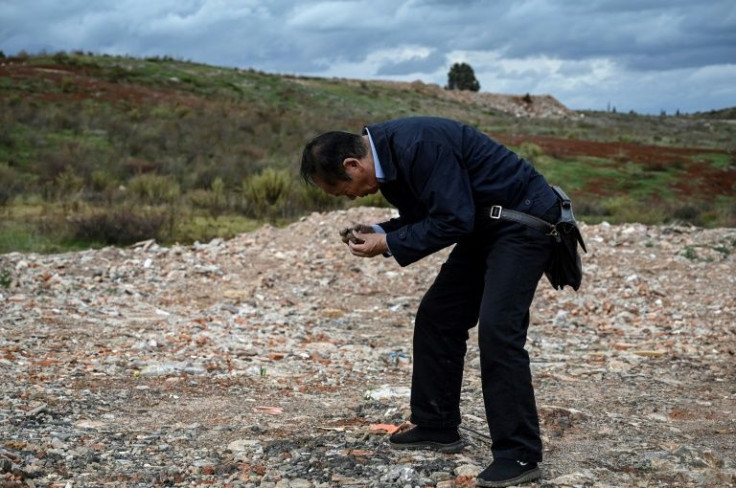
{"x": 276, "y": 359}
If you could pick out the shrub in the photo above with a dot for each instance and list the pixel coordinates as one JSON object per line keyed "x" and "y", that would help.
{"x": 118, "y": 74}
{"x": 375, "y": 200}
{"x": 198, "y": 198}
{"x": 267, "y": 192}
{"x": 217, "y": 201}
{"x": 530, "y": 151}
{"x": 100, "y": 180}
{"x": 721, "y": 212}
{"x": 154, "y": 189}
{"x": 589, "y": 207}
{"x": 121, "y": 226}
{"x": 6, "y": 278}
{"x": 310, "y": 197}
{"x": 68, "y": 85}
{"x": 9, "y": 183}
{"x": 68, "y": 185}
{"x": 690, "y": 214}
{"x": 628, "y": 209}
{"x": 60, "y": 57}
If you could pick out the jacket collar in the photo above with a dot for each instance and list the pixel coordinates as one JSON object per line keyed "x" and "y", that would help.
{"x": 385, "y": 156}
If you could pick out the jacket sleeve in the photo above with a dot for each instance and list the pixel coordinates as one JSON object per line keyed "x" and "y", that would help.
{"x": 439, "y": 181}
{"x": 392, "y": 224}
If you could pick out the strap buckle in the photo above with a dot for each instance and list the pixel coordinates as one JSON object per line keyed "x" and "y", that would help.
{"x": 496, "y": 212}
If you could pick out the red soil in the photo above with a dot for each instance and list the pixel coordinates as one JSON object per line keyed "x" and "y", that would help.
{"x": 698, "y": 175}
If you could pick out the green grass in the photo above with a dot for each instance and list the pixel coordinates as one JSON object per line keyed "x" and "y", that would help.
{"x": 203, "y": 228}
{"x": 5, "y": 278}
{"x": 718, "y": 160}
{"x": 24, "y": 236}
{"x": 78, "y": 140}
{"x": 610, "y": 177}
{"x": 46, "y": 228}
{"x": 640, "y": 183}
{"x": 15, "y": 144}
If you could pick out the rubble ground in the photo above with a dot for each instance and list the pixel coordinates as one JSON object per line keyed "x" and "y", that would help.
{"x": 277, "y": 359}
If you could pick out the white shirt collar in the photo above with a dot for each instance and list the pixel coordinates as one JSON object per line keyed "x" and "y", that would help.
{"x": 380, "y": 176}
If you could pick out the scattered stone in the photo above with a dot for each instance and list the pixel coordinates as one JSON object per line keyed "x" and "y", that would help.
{"x": 265, "y": 361}
{"x": 386, "y": 392}
{"x": 574, "y": 480}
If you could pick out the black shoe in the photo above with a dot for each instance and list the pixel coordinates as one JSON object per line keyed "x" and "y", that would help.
{"x": 443, "y": 440}
{"x": 508, "y": 472}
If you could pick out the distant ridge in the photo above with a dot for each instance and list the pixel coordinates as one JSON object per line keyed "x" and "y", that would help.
{"x": 533, "y": 106}
{"x": 721, "y": 114}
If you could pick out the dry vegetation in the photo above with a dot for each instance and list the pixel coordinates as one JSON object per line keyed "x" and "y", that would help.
{"x": 106, "y": 150}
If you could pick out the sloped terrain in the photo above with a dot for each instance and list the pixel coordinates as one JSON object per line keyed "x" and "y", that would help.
{"x": 124, "y": 82}
{"x": 277, "y": 359}
{"x": 88, "y": 137}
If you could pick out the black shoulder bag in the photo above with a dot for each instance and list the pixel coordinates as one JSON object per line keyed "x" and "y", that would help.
{"x": 565, "y": 267}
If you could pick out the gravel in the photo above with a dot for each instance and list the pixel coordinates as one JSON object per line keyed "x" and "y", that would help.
{"x": 274, "y": 358}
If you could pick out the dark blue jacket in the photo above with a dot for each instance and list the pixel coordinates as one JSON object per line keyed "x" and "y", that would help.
{"x": 440, "y": 175}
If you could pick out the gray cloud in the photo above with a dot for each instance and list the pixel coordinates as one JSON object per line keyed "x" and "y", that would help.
{"x": 584, "y": 53}
{"x": 416, "y": 64}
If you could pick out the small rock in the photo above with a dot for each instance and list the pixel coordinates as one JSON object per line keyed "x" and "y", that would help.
{"x": 577, "y": 479}
{"x": 468, "y": 470}
{"x": 386, "y": 392}
{"x": 300, "y": 483}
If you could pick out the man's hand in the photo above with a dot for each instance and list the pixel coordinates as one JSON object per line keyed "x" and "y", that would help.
{"x": 368, "y": 245}
{"x": 348, "y": 234}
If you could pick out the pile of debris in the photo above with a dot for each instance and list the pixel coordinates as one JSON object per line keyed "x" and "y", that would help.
{"x": 277, "y": 359}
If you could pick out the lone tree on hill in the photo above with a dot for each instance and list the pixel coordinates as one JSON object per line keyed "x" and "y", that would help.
{"x": 462, "y": 77}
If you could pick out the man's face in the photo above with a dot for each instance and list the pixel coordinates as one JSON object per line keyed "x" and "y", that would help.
{"x": 362, "y": 180}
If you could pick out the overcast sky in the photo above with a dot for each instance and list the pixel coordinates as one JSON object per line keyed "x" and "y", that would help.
{"x": 641, "y": 55}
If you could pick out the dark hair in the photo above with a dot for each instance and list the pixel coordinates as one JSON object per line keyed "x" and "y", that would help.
{"x": 323, "y": 156}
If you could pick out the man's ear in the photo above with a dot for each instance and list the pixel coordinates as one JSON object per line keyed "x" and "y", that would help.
{"x": 351, "y": 164}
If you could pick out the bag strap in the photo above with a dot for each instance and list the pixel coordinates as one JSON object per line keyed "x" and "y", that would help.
{"x": 497, "y": 212}
{"x": 566, "y": 214}
{"x": 561, "y": 195}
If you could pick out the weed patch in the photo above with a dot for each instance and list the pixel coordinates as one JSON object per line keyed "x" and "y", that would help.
{"x": 91, "y": 134}
{"x": 5, "y": 278}
{"x": 120, "y": 226}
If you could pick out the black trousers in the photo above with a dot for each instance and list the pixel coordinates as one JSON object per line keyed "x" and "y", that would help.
{"x": 490, "y": 280}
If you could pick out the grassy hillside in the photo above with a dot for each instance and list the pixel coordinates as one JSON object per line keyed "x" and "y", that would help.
{"x": 99, "y": 149}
